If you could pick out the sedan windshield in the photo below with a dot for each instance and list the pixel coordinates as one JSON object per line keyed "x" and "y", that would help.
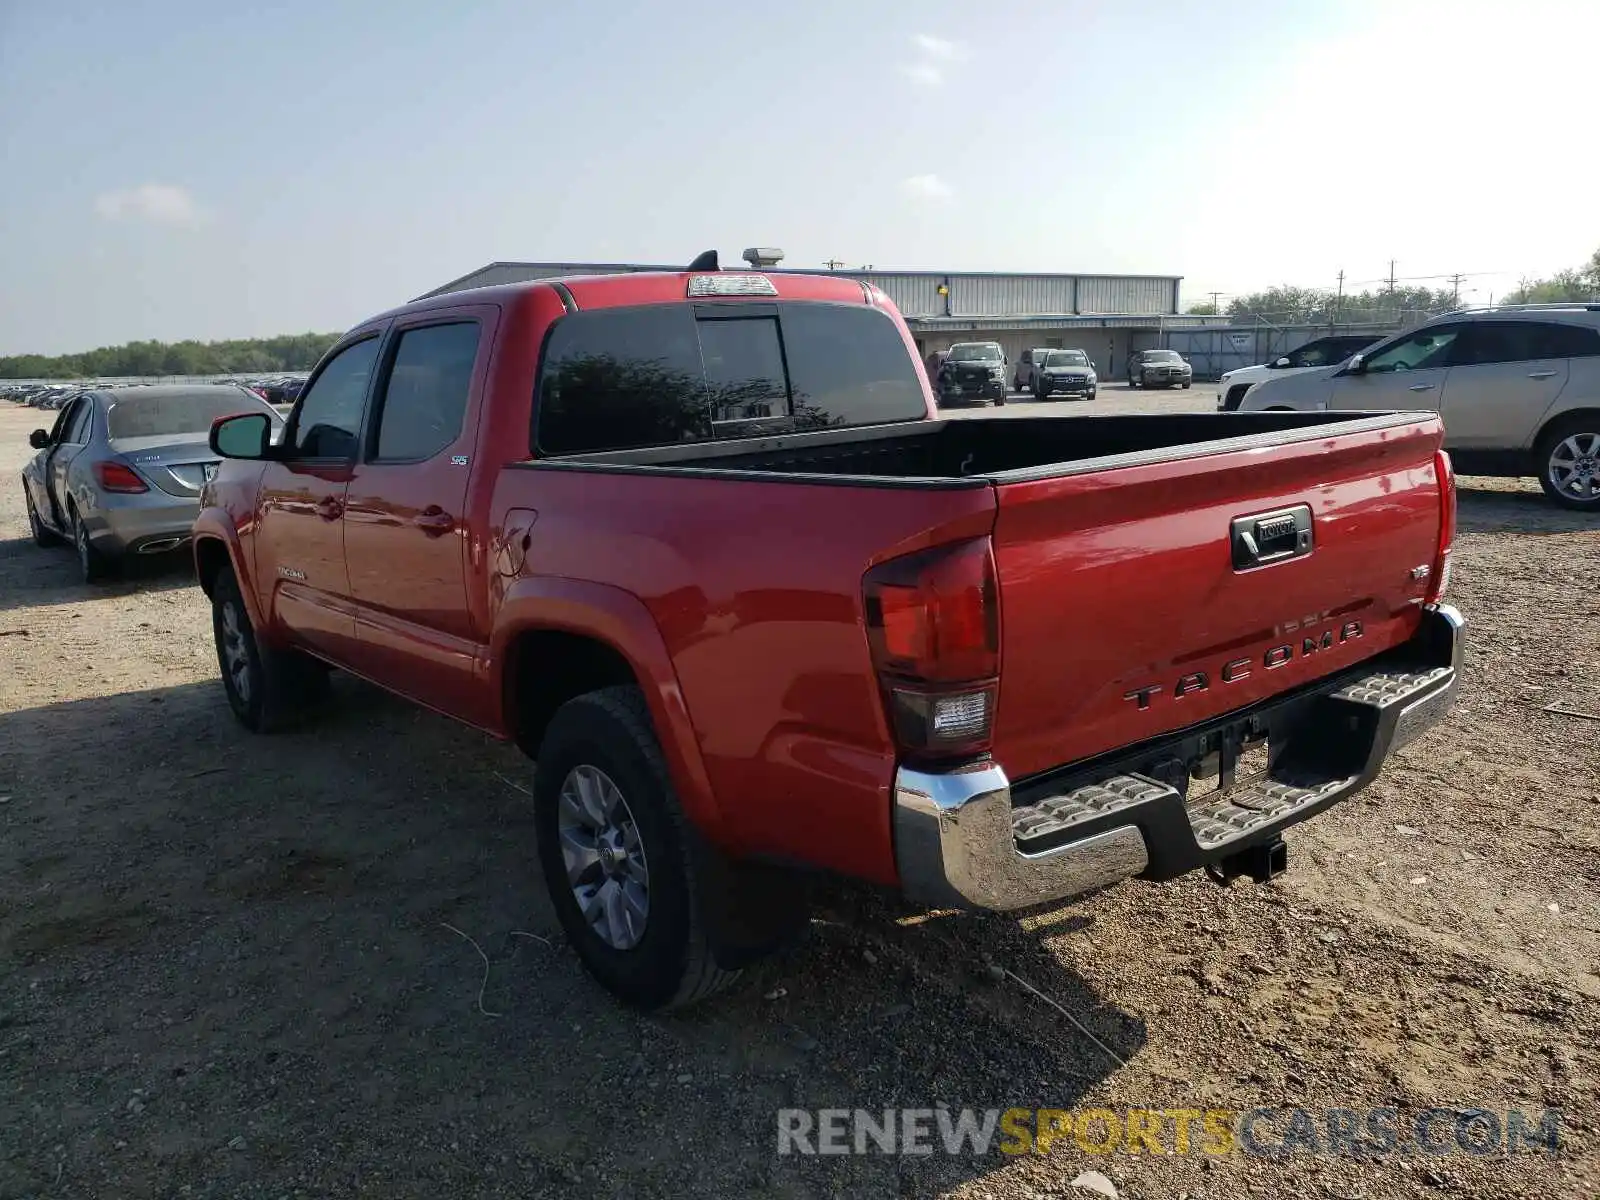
{"x": 975, "y": 353}
{"x": 1068, "y": 358}
{"x": 165, "y": 413}
{"x": 1161, "y": 356}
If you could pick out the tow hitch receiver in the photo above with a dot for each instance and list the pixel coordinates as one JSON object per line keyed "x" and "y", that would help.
{"x": 1261, "y": 862}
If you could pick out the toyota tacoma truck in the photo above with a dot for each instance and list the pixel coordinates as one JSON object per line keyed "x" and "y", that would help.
{"x": 700, "y": 544}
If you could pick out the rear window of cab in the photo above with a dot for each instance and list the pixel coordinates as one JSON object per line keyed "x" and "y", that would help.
{"x": 626, "y": 378}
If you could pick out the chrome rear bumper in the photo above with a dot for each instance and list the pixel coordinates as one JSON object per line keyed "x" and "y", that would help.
{"x": 963, "y": 840}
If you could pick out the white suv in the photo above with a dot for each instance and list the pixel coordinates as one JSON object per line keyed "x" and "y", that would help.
{"x": 1518, "y": 387}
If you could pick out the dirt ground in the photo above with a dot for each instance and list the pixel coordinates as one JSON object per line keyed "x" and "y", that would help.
{"x": 225, "y": 967}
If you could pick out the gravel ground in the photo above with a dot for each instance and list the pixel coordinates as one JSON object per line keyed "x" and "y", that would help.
{"x": 225, "y": 967}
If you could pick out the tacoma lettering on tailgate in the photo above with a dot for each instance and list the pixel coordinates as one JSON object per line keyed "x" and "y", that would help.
{"x": 1241, "y": 668}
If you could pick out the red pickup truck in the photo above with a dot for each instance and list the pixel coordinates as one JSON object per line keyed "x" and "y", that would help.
{"x": 700, "y": 543}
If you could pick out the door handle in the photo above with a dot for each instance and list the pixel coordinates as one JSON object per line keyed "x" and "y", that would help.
{"x": 330, "y": 508}
{"x": 434, "y": 521}
{"x": 1541, "y": 374}
{"x": 1420, "y": 387}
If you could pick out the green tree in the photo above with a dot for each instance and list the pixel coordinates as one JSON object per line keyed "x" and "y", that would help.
{"x": 1204, "y": 309}
{"x": 289, "y": 352}
{"x": 1581, "y": 283}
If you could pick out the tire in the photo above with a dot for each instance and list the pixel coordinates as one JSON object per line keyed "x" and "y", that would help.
{"x": 94, "y": 566}
{"x": 41, "y": 535}
{"x": 1133, "y": 383}
{"x": 268, "y": 689}
{"x": 1091, "y": 394}
{"x": 658, "y": 954}
{"x": 999, "y": 401}
{"x": 1186, "y": 387}
{"x": 1568, "y": 460}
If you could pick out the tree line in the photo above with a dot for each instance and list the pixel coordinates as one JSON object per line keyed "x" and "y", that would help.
{"x": 1290, "y": 305}
{"x": 1287, "y": 304}
{"x": 242, "y": 356}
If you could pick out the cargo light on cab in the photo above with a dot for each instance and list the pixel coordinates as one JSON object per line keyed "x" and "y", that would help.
{"x": 933, "y": 622}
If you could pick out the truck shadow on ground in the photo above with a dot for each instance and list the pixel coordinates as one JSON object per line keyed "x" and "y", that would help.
{"x": 1500, "y": 506}
{"x": 32, "y": 576}
{"x": 339, "y": 938}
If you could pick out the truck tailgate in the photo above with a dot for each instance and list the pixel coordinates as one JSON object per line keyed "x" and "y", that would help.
{"x": 1126, "y": 612}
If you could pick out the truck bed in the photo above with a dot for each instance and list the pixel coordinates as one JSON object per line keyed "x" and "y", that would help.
{"x": 994, "y": 449}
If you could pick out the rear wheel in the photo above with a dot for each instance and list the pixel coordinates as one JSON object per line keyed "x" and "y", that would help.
{"x": 1568, "y": 460}
{"x": 41, "y": 535}
{"x": 619, "y": 857}
{"x": 267, "y": 688}
{"x": 94, "y": 566}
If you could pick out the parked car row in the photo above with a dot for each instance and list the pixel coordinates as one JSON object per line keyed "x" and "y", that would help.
{"x": 1518, "y": 387}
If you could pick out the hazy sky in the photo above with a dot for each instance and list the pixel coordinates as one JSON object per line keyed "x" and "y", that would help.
{"x": 184, "y": 168}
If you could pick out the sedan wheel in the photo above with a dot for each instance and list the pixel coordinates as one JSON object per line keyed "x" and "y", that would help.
{"x": 93, "y": 565}
{"x": 41, "y": 535}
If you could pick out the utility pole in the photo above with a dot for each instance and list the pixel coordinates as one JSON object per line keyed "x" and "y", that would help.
{"x": 833, "y": 264}
{"x": 1216, "y": 303}
{"x": 1455, "y": 289}
{"x": 1338, "y": 301}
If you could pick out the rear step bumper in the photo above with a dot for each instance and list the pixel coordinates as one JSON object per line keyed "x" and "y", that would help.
{"x": 964, "y": 838}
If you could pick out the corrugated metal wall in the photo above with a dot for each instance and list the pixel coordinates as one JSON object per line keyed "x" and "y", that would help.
{"x": 1125, "y": 294}
{"x": 913, "y": 295}
{"x": 916, "y": 293}
{"x": 1010, "y": 295}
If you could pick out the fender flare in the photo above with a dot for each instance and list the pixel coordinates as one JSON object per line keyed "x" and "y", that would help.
{"x": 618, "y": 619}
{"x": 214, "y": 525}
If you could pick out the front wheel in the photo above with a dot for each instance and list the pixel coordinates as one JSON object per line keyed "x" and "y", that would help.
{"x": 1569, "y": 463}
{"x": 1091, "y": 393}
{"x": 268, "y": 689}
{"x": 1186, "y": 387}
{"x": 1133, "y": 383}
{"x": 619, "y": 856}
{"x": 41, "y": 535}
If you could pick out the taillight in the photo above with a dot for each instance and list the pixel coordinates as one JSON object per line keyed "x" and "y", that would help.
{"x": 115, "y": 477}
{"x": 933, "y": 622}
{"x": 1439, "y": 577}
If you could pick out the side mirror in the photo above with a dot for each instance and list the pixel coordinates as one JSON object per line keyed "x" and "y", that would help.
{"x": 1281, "y": 362}
{"x": 1356, "y": 365}
{"x": 38, "y": 439}
{"x": 245, "y": 436}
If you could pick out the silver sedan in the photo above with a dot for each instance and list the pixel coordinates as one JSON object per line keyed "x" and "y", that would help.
{"x": 121, "y": 470}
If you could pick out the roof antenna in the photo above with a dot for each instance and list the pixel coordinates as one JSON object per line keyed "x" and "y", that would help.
{"x": 705, "y": 262}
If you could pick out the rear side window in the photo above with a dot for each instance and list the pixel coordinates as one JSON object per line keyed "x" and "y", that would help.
{"x": 82, "y": 417}
{"x": 1567, "y": 341}
{"x": 618, "y": 379}
{"x": 425, "y": 398}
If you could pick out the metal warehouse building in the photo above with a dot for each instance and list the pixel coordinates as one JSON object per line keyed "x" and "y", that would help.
{"x": 1105, "y": 316}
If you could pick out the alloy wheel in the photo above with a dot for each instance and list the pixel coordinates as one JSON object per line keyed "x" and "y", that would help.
{"x": 1574, "y": 467}
{"x": 235, "y": 652}
{"x": 604, "y": 856}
